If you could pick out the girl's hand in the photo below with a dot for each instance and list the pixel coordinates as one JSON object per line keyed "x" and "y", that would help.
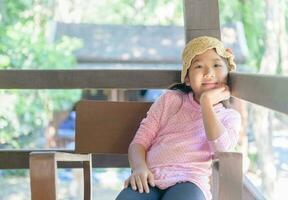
{"x": 139, "y": 180}
{"x": 216, "y": 95}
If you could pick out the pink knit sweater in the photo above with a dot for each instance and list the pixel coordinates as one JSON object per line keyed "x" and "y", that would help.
{"x": 174, "y": 137}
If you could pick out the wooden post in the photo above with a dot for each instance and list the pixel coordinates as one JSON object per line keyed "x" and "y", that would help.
{"x": 87, "y": 174}
{"x": 201, "y": 17}
{"x": 43, "y": 178}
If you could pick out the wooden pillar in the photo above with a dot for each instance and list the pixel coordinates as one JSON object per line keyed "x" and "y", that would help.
{"x": 201, "y": 17}
{"x": 43, "y": 180}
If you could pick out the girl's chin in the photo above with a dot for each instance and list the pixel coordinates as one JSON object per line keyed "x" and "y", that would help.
{"x": 207, "y": 89}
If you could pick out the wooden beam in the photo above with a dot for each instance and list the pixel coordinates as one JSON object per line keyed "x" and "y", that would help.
{"x": 43, "y": 173}
{"x": 263, "y": 90}
{"x": 19, "y": 159}
{"x": 228, "y": 183}
{"x": 201, "y": 17}
{"x": 269, "y": 91}
{"x": 81, "y": 79}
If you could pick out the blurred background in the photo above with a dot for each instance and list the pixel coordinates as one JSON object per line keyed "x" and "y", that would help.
{"x": 131, "y": 34}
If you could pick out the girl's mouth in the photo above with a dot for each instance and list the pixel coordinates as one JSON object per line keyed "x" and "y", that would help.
{"x": 209, "y": 85}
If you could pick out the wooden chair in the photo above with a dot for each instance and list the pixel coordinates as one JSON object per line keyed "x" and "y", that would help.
{"x": 105, "y": 129}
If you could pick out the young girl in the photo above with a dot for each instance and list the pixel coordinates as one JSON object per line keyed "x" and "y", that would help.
{"x": 171, "y": 153}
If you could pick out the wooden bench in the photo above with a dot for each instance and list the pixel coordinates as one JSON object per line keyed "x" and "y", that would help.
{"x": 107, "y": 128}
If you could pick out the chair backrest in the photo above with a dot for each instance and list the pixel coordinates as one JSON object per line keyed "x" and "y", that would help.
{"x": 107, "y": 127}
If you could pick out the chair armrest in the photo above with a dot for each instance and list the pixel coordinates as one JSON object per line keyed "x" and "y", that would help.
{"x": 43, "y": 166}
{"x": 61, "y": 156}
{"x": 227, "y": 176}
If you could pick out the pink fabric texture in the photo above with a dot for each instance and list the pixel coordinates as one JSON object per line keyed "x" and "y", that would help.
{"x": 174, "y": 137}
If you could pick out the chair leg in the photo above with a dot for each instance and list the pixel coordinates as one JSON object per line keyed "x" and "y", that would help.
{"x": 43, "y": 177}
{"x": 87, "y": 174}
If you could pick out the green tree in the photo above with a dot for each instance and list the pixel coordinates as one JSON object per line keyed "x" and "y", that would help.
{"x": 24, "y": 45}
{"x": 132, "y": 12}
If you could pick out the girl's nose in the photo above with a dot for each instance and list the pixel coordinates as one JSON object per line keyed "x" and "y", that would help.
{"x": 209, "y": 75}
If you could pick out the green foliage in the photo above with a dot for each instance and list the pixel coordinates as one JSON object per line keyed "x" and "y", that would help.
{"x": 9, "y": 173}
{"x": 252, "y": 15}
{"x": 254, "y": 24}
{"x": 253, "y": 157}
{"x": 24, "y": 45}
{"x": 28, "y": 51}
{"x": 132, "y": 12}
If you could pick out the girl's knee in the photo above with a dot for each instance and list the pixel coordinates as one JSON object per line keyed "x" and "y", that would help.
{"x": 184, "y": 191}
{"x": 126, "y": 194}
{"x": 130, "y": 194}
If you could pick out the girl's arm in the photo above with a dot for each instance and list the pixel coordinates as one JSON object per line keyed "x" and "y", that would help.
{"x": 142, "y": 141}
{"x": 222, "y": 135}
{"x": 213, "y": 126}
{"x": 141, "y": 175}
{"x": 137, "y": 156}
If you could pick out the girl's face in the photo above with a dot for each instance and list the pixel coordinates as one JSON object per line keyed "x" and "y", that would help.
{"x": 207, "y": 71}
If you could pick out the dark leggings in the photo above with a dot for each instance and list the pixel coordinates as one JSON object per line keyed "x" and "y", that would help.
{"x": 180, "y": 191}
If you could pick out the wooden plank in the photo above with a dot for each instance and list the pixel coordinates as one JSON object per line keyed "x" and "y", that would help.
{"x": 19, "y": 159}
{"x": 265, "y": 90}
{"x": 107, "y": 127}
{"x": 14, "y": 159}
{"x": 82, "y": 79}
{"x": 229, "y": 176}
{"x": 190, "y": 34}
{"x": 87, "y": 176}
{"x": 71, "y": 157}
{"x": 63, "y": 156}
{"x": 43, "y": 178}
{"x": 201, "y": 17}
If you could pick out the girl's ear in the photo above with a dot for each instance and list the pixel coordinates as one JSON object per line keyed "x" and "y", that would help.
{"x": 187, "y": 81}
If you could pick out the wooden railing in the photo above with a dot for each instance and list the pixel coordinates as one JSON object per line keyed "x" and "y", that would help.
{"x": 263, "y": 90}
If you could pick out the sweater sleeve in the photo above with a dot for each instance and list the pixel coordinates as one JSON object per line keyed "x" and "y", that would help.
{"x": 228, "y": 139}
{"x": 150, "y": 125}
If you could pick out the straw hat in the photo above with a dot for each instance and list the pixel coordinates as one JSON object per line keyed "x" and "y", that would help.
{"x": 198, "y": 46}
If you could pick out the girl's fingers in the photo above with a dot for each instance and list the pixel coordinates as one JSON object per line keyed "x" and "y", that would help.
{"x": 126, "y": 183}
{"x": 227, "y": 88}
{"x": 133, "y": 184}
{"x": 226, "y": 95}
{"x": 223, "y": 84}
{"x": 139, "y": 184}
{"x": 145, "y": 184}
{"x": 151, "y": 179}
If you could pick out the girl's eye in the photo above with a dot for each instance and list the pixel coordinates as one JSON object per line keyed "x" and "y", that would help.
{"x": 217, "y": 65}
{"x": 198, "y": 66}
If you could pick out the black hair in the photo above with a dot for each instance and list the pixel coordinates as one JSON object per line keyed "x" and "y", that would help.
{"x": 181, "y": 87}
